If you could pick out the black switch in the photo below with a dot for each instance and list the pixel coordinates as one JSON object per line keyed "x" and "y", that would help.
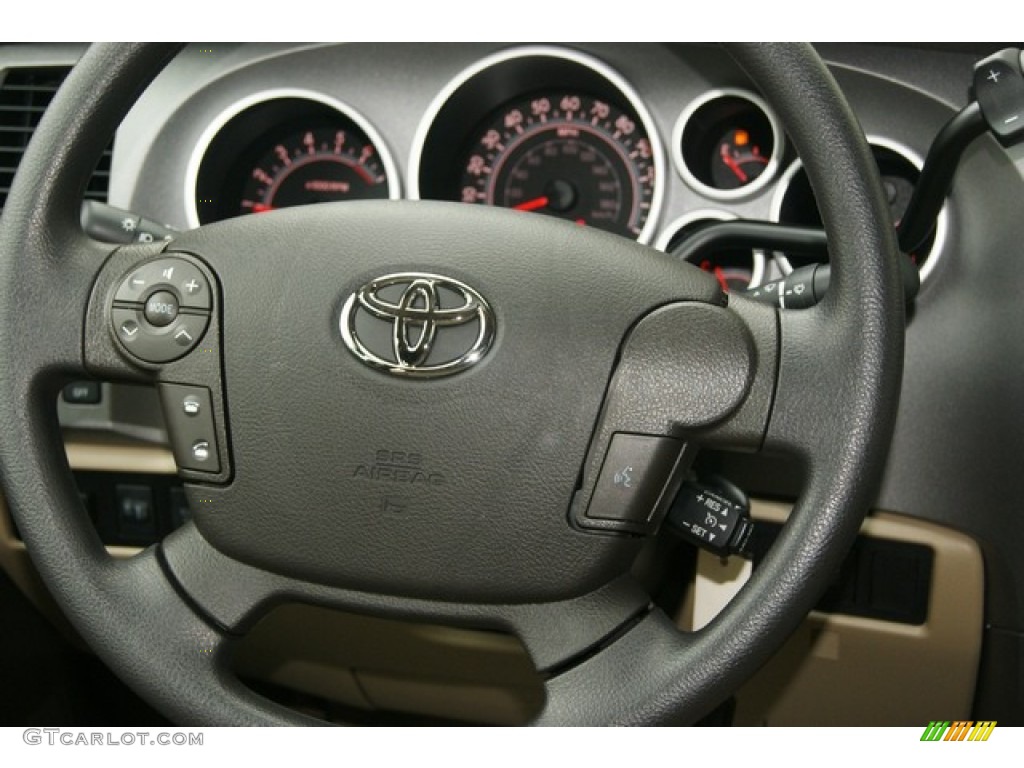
{"x": 82, "y": 393}
{"x": 136, "y": 515}
{"x": 188, "y": 412}
{"x": 999, "y": 89}
{"x": 633, "y": 478}
{"x": 180, "y": 511}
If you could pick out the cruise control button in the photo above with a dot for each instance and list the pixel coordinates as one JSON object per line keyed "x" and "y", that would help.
{"x": 162, "y": 308}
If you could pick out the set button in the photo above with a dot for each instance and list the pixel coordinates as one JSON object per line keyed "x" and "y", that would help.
{"x": 161, "y": 309}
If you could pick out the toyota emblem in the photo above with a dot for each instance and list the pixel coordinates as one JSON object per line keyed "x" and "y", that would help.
{"x": 417, "y": 324}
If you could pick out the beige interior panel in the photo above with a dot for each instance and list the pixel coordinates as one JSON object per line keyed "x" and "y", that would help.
{"x": 100, "y": 452}
{"x": 846, "y": 670}
{"x": 474, "y": 703}
{"x": 377, "y": 663}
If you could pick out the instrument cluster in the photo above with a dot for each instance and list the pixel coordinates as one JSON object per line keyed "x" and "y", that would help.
{"x": 544, "y": 130}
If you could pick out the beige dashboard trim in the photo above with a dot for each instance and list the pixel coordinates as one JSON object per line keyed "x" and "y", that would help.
{"x": 108, "y": 456}
{"x": 846, "y": 670}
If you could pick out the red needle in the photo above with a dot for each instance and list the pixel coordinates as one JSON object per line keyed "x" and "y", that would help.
{"x": 732, "y": 165}
{"x": 720, "y": 277}
{"x": 532, "y": 205}
{"x": 261, "y": 207}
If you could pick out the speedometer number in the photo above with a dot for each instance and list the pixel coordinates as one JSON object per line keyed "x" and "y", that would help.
{"x": 567, "y": 155}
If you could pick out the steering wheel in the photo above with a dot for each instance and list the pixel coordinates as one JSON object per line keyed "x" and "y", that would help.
{"x": 416, "y": 410}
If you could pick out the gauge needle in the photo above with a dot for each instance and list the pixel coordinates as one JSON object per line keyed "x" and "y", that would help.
{"x": 261, "y": 207}
{"x": 532, "y": 205}
{"x": 732, "y": 165}
{"x": 720, "y": 277}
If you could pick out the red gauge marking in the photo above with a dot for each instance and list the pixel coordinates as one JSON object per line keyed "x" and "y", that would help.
{"x": 261, "y": 207}
{"x": 532, "y": 205}
{"x": 581, "y": 222}
{"x": 732, "y": 165}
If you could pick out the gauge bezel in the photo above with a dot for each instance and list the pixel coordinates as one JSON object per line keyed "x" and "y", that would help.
{"x": 758, "y": 260}
{"x": 882, "y": 142}
{"x": 748, "y": 190}
{"x": 612, "y": 82}
{"x": 236, "y": 108}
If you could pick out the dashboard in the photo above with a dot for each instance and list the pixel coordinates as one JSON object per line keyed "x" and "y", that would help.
{"x": 649, "y": 142}
{"x": 604, "y": 137}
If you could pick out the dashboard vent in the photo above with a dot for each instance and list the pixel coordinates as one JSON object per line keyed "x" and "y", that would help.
{"x": 25, "y": 93}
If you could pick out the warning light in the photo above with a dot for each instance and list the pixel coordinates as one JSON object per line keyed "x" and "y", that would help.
{"x": 742, "y": 138}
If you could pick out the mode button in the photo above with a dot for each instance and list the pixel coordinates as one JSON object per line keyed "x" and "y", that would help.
{"x": 162, "y": 308}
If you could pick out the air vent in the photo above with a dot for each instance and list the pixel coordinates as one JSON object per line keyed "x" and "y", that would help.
{"x": 25, "y": 93}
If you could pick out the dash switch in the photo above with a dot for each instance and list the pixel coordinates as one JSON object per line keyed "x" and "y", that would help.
{"x": 633, "y": 477}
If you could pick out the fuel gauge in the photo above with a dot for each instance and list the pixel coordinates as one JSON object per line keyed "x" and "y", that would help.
{"x": 737, "y": 160}
{"x": 727, "y": 144}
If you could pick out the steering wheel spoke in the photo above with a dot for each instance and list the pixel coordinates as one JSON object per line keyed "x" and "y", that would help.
{"x": 234, "y": 596}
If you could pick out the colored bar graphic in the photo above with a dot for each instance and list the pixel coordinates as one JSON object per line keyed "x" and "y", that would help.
{"x": 958, "y": 730}
{"x": 982, "y": 730}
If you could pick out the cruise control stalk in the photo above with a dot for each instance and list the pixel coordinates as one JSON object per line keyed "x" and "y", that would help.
{"x": 714, "y": 517}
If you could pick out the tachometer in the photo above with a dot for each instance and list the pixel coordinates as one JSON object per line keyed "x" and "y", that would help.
{"x": 564, "y": 154}
{"x": 315, "y": 165}
{"x": 283, "y": 148}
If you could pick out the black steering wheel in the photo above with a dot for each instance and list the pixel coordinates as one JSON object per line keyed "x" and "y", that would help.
{"x": 480, "y": 497}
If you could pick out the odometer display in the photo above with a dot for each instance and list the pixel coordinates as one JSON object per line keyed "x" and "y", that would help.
{"x": 568, "y": 155}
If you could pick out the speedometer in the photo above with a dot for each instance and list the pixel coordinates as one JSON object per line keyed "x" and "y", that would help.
{"x": 564, "y": 154}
